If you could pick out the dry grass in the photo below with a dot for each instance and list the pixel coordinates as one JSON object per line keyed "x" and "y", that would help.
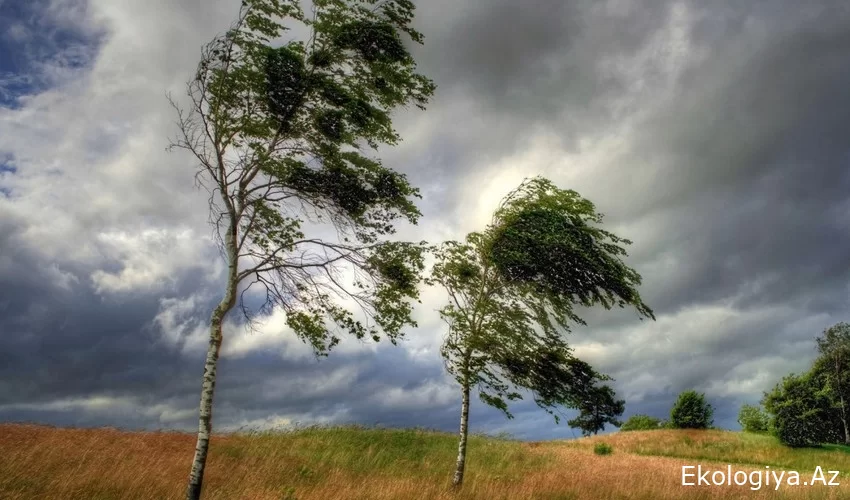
{"x": 352, "y": 463}
{"x": 729, "y": 448}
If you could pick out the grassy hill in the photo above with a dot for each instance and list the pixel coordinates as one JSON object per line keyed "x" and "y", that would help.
{"x": 38, "y": 462}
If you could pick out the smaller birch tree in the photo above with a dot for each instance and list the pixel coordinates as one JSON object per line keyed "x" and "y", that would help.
{"x": 512, "y": 290}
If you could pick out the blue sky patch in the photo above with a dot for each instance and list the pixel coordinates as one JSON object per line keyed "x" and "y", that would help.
{"x": 7, "y": 168}
{"x": 32, "y": 41}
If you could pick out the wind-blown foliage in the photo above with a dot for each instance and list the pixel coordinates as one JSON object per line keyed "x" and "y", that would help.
{"x": 281, "y": 132}
{"x": 507, "y": 319}
{"x": 545, "y": 240}
{"x": 597, "y": 408}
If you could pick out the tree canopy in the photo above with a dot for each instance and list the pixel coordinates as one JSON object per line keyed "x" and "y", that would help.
{"x": 691, "y": 411}
{"x": 281, "y": 132}
{"x": 513, "y": 288}
{"x": 754, "y": 419}
{"x": 802, "y": 414}
{"x": 546, "y": 241}
{"x": 810, "y": 408}
{"x": 833, "y": 368}
{"x": 597, "y": 408}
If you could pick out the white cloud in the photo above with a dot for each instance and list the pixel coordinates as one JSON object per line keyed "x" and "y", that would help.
{"x": 90, "y": 151}
{"x": 277, "y": 421}
{"x": 750, "y": 378}
{"x": 152, "y": 259}
{"x": 180, "y": 323}
{"x": 648, "y": 357}
{"x": 431, "y": 394}
{"x": 89, "y": 404}
{"x": 163, "y": 413}
{"x": 18, "y": 33}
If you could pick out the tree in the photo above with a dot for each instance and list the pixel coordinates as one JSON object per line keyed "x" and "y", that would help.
{"x": 512, "y": 290}
{"x": 753, "y": 419}
{"x": 691, "y": 411}
{"x": 834, "y": 365}
{"x": 802, "y": 412}
{"x": 281, "y": 136}
{"x": 642, "y": 423}
{"x": 811, "y": 408}
{"x": 597, "y": 409}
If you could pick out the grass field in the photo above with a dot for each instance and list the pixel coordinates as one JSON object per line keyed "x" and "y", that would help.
{"x": 38, "y": 462}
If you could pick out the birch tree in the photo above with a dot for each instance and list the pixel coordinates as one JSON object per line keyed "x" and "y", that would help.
{"x": 282, "y": 131}
{"x": 834, "y": 366}
{"x": 512, "y": 289}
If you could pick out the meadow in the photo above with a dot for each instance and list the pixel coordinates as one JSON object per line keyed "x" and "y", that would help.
{"x": 39, "y": 462}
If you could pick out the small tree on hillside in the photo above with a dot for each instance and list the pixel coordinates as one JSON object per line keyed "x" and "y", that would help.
{"x": 691, "y": 411}
{"x": 511, "y": 291}
{"x": 281, "y": 133}
{"x": 753, "y": 419}
{"x": 597, "y": 408}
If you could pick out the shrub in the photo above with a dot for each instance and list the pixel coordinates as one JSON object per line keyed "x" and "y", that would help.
{"x": 602, "y": 449}
{"x": 691, "y": 411}
{"x": 641, "y": 423}
{"x": 753, "y": 419}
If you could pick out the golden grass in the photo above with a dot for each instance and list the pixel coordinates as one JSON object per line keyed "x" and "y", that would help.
{"x": 726, "y": 447}
{"x": 352, "y": 463}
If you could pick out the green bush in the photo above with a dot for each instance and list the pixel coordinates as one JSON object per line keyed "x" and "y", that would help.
{"x": 642, "y": 423}
{"x": 691, "y": 411}
{"x": 753, "y": 419}
{"x": 602, "y": 449}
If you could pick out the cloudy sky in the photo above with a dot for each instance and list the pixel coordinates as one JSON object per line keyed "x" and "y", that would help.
{"x": 712, "y": 134}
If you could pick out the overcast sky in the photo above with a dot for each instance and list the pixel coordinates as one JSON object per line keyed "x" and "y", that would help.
{"x": 712, "y": 134}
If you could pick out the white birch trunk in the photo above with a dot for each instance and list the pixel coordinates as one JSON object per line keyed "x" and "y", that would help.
{"x": 464, "y": 433}
{"x": 196, "y": 476}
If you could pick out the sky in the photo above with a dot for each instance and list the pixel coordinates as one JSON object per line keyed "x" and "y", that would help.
{"x": 711, "y": 134}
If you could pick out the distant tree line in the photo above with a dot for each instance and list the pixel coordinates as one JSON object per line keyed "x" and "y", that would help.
{"x": 691, "y": 410}
{"x": 810, "y": 408}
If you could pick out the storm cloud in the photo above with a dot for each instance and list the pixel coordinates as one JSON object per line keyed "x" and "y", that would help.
{"x": 713, "y": 135}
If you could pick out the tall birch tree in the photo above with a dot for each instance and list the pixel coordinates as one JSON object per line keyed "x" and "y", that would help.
{"x": 513, "y": 288}
{"x": 282, "y": 131}
{"x": 833, "y": 365}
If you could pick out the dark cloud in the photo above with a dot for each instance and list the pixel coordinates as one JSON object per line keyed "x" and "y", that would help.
{"x": 744, "y": 117}
{"x": 507, "y": 72}
{"x": 728, "y": 167}
{"x": 748, "y": 176}
{"x": 72, "y": 357}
